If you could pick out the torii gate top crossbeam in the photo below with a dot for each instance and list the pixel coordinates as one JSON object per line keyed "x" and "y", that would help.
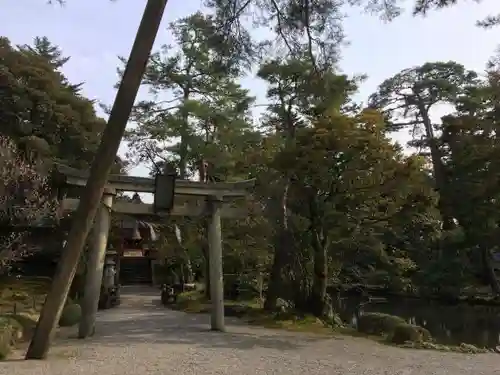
{"x": 118, "y": 182}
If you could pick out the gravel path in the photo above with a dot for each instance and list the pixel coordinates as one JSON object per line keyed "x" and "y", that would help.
{"x": 141, "y": 337}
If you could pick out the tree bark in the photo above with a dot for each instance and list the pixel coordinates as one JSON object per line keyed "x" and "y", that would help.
{"x": 438, "y": 170}
{"x": 320, "y": 276}
{"x": 319, "y": 245}
{"x": 282, "y": 247}
{"x": 275, "y": 278}
{"x": 186, "y": 266}
{"x": 183, "y": 149}
{"x": 90, "y": 200}
{"x": 490, "y": 270}
{"x": 183, "y": 154}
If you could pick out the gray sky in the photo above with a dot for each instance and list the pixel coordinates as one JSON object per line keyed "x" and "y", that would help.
{"x": 95, "y": 32}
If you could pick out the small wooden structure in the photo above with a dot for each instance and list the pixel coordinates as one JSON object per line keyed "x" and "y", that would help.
{"x": 190, "y": 198}
{"x": 136, "y": 253}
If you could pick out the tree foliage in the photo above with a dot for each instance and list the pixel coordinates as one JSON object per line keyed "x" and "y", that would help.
{"x": 40, "y": 109}
{"x": 45, "y": 119}
{"x": 336, "y": 201}
{"x": 407, "y": 101}
{"x": 348, "y": 185}
{"x": 198, "y": 100}
{"x": 26, "y": 201}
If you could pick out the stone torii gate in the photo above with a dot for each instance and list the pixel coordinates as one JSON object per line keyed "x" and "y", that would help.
{"x": 172, "y": 198}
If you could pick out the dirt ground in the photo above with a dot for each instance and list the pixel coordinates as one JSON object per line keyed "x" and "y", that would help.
{"x": 142, "y": 337}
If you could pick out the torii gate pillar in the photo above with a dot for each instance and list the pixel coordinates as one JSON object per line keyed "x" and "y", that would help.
{"x": 95, "y": 265}
{"x": 216, "y": 270}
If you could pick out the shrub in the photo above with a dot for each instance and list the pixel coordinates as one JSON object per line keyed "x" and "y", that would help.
{"x": 5, "y": 342}
{"x": 19, "y": 296}
{"x": 334, "y": 321}
{"x": 9, "y": 322}
{"x": 239, "y": 288}
{"x": 409, "y": 333}
{"x": 235, "y": 311}
{"x": 26, "y": 199}
{"x": 378, "y": 323}
{"x": 71, "y": 315}
{"x": 26, "y": 322}
{"x": 10, "y": 332}
{"x": 286, "y": 315}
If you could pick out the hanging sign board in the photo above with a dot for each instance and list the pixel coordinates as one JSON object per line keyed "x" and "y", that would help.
{"x": 164, "y": 192}
{"x": 133, "y": 253}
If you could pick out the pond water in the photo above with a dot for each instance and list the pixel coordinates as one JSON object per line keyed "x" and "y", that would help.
{"x": 448, "y": 324}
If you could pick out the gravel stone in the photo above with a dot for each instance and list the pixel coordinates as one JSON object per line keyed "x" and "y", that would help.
{"x": 143, "y": 337}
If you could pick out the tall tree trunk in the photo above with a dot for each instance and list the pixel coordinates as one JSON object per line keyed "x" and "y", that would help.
{"x": 283, "y": 244}
{"x": 320, "y": 276}
{"x": 183, "y": 150}
{"x": 444, "y": 203}
{"x": 275, "y": 278}
{"x": 188, "y": 267}
{"x": 489, "y": 270}
{"x": 183, "y": 147}
{"x": 183, "y": 154}
{"x": 279, "y": 262}
{"x": 319, "y": 245}
{"x": 282, "y": 247}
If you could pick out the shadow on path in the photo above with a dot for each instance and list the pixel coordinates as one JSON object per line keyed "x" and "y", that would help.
{"x": 142, "y": 319}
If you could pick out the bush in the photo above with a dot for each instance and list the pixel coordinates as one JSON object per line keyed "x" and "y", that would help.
{"x": 5, "y": 342}
{"x": 10, "y": 332}
{"x": 409, "y": 333}
{"x": 26, "y": 321}
{"x": 9, "y": 322}
{"x": 334, "y": 321}
{"x": 378, "y": 323}
{"x": 71, "y": 315}
{"x": 239, "y": 287}
{"x": 236, "y": 311}
{"x": 19, "y": 296}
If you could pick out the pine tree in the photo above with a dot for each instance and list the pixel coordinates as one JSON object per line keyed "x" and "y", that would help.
{"x": 202, "y": 101}
{"x": 43, "y": 47}
{"x": 38, "y": 107}
{"x": 407, "y": 100}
